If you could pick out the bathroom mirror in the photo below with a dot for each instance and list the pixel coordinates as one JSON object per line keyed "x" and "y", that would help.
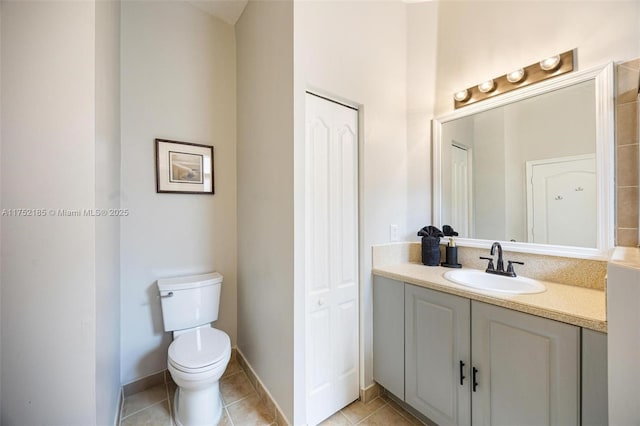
{"x": 532, "y": 168}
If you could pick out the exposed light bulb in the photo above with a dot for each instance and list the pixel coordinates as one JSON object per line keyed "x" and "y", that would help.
{"x": 461, "y": 96}
{"x": 515, "y": 76}
{"x": 486, "y": 86}
{"x": 550, "y": 63}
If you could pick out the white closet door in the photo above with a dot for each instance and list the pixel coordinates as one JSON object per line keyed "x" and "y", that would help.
{"x": 331, "y": 185}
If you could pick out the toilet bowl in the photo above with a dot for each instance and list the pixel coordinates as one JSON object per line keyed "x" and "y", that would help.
{"x": 196, "y": 362}
{"x": 199, "y": 354}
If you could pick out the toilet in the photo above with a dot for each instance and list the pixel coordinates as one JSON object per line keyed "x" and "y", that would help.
{"x": 198, "y": 354}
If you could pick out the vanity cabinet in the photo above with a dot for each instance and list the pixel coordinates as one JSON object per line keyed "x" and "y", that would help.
{"x": 463, "y": 362}
{"x": 528, "y": 368}
{"x": 437, "y": 340}
{"x": 595, "y": 395}
{"x": 388, "y": 334}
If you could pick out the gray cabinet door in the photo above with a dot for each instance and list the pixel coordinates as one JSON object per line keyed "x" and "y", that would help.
{"x": 388, "y": 334}
{"x": 437, "y": 340}
{"x": 528, "y": 369}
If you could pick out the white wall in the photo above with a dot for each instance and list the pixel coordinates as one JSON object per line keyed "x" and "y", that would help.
{"x": 264, "y": 36}
{"x": 107, "y": 196}
{"x": 486, "y": 39}
{"x": 357, "y": 51}
{"x": 480, "y": 40}
{"x": 48, "y": 263}
{"x": 557, "y": 124}
{"x": 515, "y": 227}
{"x": 0, "y": 206}
{"x": 178, "y": 83}
{"x": 422, "y": 52}
{"x": 489, "y": 182}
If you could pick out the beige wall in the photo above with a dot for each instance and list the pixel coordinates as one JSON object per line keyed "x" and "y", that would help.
{"x": 264, "y": 36}
{"x": 0, "y": 206}
{"x": 485, "y": 39}
{"x": 177, "y": 82}
{"x": 446, "y": 46}
{"x": 60, "y": 279}
{"x": 48, "y": 262}
{"x": 422, "y": 52}
{"x": 357, "y": 51}
{"x": 107, "y": 196}
{"x": 489, "y": 185}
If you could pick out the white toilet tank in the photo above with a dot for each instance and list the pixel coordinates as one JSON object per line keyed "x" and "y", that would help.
{"x": 190, "y": 301}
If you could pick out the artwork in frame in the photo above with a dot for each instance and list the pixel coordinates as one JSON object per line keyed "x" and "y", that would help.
{"x": 183, "y": 167}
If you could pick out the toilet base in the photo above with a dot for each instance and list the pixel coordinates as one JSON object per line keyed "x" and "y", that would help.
{"x": 202, "y": 407}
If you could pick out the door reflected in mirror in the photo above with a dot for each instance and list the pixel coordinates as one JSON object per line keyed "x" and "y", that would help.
{"x": 515, "y": 170}
{"x": 530, "y": 169}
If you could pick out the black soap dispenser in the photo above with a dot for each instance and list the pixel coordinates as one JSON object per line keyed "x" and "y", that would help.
{"x": 451, "y": 259}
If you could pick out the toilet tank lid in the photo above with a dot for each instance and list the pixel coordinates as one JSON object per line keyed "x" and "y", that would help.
{"x": 187, "y": 282}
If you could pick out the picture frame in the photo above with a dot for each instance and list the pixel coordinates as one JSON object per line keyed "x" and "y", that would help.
{"x": 184, "y": 167}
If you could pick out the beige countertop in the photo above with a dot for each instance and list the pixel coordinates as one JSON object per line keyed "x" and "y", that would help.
{"x": 579, "y": 306}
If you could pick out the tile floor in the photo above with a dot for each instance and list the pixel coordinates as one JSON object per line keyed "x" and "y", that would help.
{"x": 382, "y": 411}
{"x": 243, "y": 407}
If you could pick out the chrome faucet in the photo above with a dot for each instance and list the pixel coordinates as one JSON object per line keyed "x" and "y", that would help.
{"x": 499, "y": 268}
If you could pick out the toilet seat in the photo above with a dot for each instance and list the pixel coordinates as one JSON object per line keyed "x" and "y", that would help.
{"x": 199, "y": 350}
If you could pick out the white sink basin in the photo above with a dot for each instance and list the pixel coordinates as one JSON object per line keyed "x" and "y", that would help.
{"x": 491, "y": 282}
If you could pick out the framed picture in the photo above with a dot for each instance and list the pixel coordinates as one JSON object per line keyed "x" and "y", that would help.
{"x": 184, "y": 168}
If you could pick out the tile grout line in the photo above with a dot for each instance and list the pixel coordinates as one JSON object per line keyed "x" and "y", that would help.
{"x": 121, "y": 406}
{"x": 166, "y": 388}
{"x": 170, "y": 406}
{"x": 348, "y": 421}
{"x": 404, "y": 413}
{"x": 232, "y": 374}
{"x": 254, "y": 390}
{"x": 241, "y": 399}
{"x": 375, "y": 411}
{"x": 228, "y": 416}
{"x": 264, "y": 397}
{"x": 139, "y": 411}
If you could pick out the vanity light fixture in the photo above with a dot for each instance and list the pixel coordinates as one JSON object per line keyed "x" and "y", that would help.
{"x": 486, "y": 86}
{"x": 516, "y": 76}
{"x": 462, "y": 95}
{"x": 547, "y": 68}
{"x": 550, "y": 63}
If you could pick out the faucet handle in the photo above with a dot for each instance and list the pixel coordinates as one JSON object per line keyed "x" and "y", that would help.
{"x": 490, "y": 266}
{"x": 510, "y": 267}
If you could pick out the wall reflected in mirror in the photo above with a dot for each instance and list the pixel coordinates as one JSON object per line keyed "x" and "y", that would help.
{"x": 525, "y": 171}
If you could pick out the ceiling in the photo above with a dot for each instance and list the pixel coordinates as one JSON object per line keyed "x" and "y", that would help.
{"x": 227, "y": 10}
{"x": 230, "y": 10}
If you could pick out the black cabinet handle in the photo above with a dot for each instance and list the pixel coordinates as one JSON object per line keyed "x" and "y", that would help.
{"x": 462, "y": 373}
{"x": 474, "y": 378}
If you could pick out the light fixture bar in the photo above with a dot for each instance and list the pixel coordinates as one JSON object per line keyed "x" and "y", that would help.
{"x": 531, "y": 74}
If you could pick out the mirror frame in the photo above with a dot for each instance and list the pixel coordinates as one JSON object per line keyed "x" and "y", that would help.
{"x": 605, "y": 168}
